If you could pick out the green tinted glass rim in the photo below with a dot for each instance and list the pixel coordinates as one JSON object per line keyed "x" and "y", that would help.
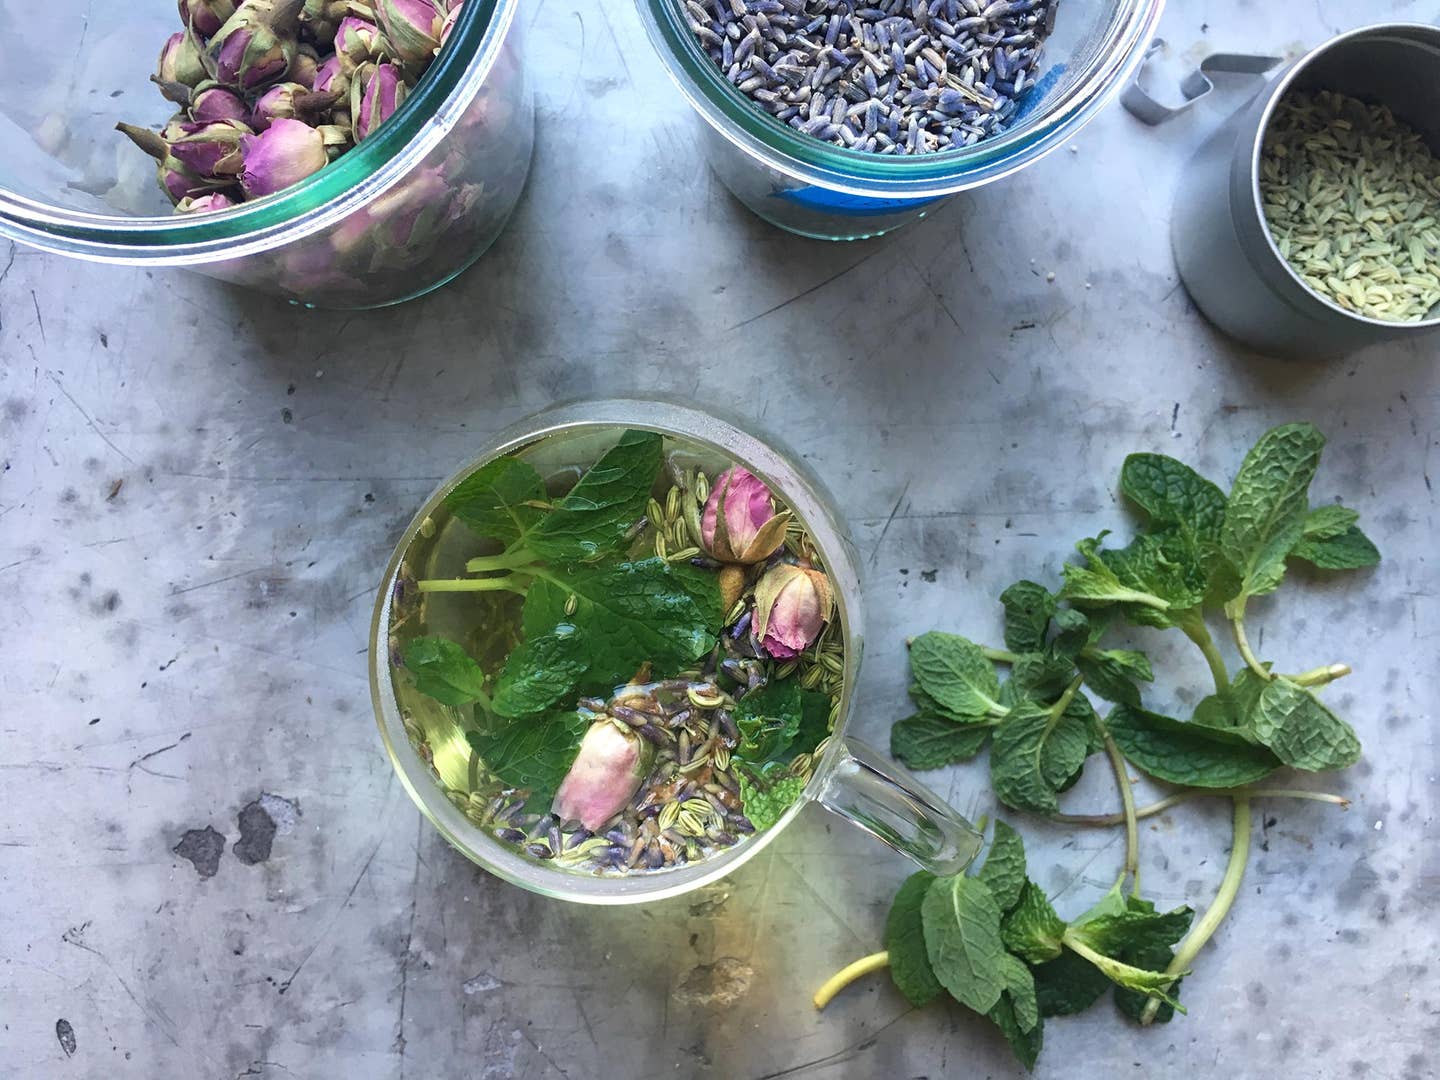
{"x": 688, "y": 62}
{"x": 328, "y": 195}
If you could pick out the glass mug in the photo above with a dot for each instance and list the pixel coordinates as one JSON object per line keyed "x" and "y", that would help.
{"x": 849, "y": 778}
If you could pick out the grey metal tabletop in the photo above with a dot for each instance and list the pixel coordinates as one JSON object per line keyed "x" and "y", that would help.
{"x": 201, "y": 486}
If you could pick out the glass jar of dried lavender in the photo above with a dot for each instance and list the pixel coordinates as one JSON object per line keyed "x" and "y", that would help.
{"x": 841, "y": 121}
{"x": 403, "y": 212}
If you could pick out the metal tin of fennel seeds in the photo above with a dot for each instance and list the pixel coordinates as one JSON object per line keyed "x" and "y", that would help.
{"x": 1351, "y": 196}
{"x": 896, "y": 77}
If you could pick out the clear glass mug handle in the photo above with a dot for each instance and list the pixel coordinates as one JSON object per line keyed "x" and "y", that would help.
{"x": 865, "y": 787}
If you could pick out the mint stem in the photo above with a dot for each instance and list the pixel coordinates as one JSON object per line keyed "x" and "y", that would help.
{"x": 1236, "y": 611}
{"x": 506, "y": 583}
{"x": 1129, "y": 815}
{"x": 999, "y": 656}
{"x": 846, "y": 975}
{"x": 1321, "y": 675}
{"x": 1118, "y": 818}
{"x": 509, "y": 560}
{"x": 1205, "y": 929}
{"x": 1196, "y": 630}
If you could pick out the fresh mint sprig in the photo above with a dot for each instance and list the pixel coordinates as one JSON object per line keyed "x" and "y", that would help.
{"x": 1200, "y": 555}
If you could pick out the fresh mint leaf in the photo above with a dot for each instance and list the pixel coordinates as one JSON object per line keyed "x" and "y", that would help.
{"x": 962, "y": 938}
{"x": 1138, "y": 927}
{"x": 1073, "y": 632}
{"x": 1328, "y": 522}
{"x": 1172, "y": 493}
{"x": 1098, "y": 583}
{"x": 1028, "y": 610}
{"x": 1232, "y": 709}
{"x": 497, "y": 500}
{"x": 596, "y": 515}
{"x": 953, "y": 674}
{"x": 1025, "y": 1044}
{"x": 540, "y": 671}
{"x": 1160, "y": 564}
{"x": 930, "y": 742}
{"x": 1035, "y": 754}
{"x": 1195, "y": 755}
{"x": 814, "y": 724}
{"x": 1068, "y": 985}
{"x": 533, "y": 754}
{"x": 1112, "y": 673}
{"x": 1020, "y": 990}
{"x": 768, "y": 719}
{"x": 1041, "y": 677}
{"x": 1301, "y": 731}
{"x": 765, "y": 802}
{"x": 1349, "y": 550}
{"x": 905, "y": 941}
{"x": 1265, "y": 514}
{"x": 1152, "y": 958}
{"x": 444, "y": 671}
{"x": 630, "y": 613}
{"x": 1147, "y": 982}
{"x": 1004, "y": 870}
{"x": 1033, "y": 930}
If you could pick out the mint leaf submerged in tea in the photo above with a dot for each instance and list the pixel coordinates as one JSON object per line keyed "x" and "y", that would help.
{"x": 623, "y": 717}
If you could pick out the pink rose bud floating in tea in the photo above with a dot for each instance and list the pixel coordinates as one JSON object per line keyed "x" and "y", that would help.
{"x": 739, "y": 527}
{"x": 792, "y": 606}
{"x": 605, "y": 776}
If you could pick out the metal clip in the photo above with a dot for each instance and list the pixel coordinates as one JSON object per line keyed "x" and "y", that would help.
{"x": 1140, "y": 104}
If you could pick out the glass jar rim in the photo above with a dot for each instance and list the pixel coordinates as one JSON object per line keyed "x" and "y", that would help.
{"x": 856, "y": 172}
{"x": 320, "y": 200}
{"x": 812, "y": 504}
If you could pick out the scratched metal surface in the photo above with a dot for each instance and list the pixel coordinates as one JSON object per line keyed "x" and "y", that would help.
{"x": 200, "y": 487}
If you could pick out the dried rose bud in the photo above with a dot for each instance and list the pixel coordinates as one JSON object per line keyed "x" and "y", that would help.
{"x": 606, "y": 774}
{"x": 215, "y": 102}
{"x": 329, "y": 79}
{"x": 739, "y": 523}
{"x": 375, "y": 94}
{"x": 175, "y": 179}
{"x": 204, "y": 204}
{"x": 358, "y": 42}
{"x": 206, "y": 16}
{"x": 288, "y": 101}
{"x": 181, "y": 63}
{"x": 792, "y": 605}
{"x": 208, "y": 149}
{"x": 449, "y": 24}
{"x": 412, "y": 27}
{"x": 256, "y": 45}
{"x": 283, "y": 154}
{"x": 305, "y": 65}
{"x": 338, "y": 138}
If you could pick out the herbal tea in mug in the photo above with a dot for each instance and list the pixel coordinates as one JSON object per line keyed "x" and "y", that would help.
{"x": 618, "y": 651}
